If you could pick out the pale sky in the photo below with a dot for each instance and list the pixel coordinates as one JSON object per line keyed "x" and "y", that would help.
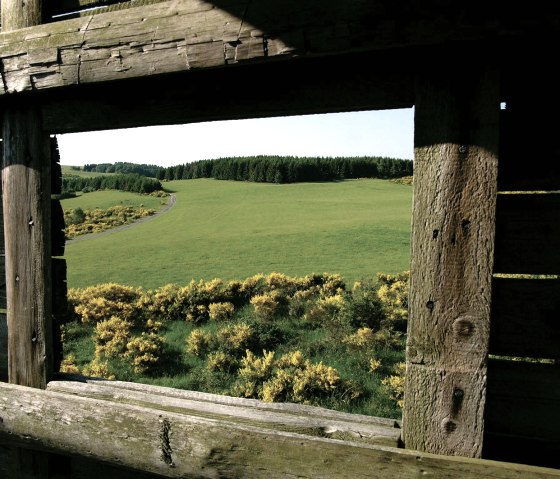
{"x": 370, "y": 133}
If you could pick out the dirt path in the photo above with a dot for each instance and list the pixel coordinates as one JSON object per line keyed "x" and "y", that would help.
{"x": 165, "y": 209}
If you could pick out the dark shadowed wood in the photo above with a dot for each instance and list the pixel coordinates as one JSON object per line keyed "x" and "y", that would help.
{"x": 26, "y": 200}
{"x": 529, "y": 150}
{"x": 174, "y": 443}
{"x": 456, "y": 144}
{"x": 182, "y": 35}
{"x": 26, "y": 205}
{"x": 528, "y": 234}
{"x": 523, "y": 406}
{"x": 57, "y": 229}
{"x": 59, "y": 307}
{"x": 3, "y": 348}
{"x": 525, "y": 318}
{"x": 56, "y": 169}
{"x": 291, "y": 88}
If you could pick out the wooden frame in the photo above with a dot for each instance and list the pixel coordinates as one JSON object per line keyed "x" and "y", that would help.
{"x": 225, "y": 59}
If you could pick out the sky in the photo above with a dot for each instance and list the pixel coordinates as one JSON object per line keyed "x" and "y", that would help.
{"x": 370, "y": 133}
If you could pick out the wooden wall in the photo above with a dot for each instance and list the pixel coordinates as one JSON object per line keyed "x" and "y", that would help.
{"x": 523, "y": 402}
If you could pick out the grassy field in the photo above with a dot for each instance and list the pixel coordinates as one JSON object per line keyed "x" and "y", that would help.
{"x": 233, "y": 230}
{"x": 107, "y": 198}
{"x": 69, "y": 171}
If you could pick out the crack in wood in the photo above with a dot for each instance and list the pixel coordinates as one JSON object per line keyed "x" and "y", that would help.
{"x": 166, "y": 450}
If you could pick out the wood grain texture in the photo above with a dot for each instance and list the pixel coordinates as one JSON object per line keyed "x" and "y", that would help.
{"x": 299, "y": 419}
{"x": 525, "y": 318}
{"x": 175, "y": 444}
{"x": 249, "y": 91}
{"x": 527, "y": 234}
{"x": 20, "y": 14}
{"x": 182, "y": 35}
{"x": 26, "y": 203}
{"x": 456, "y": 144}
{"x": 524, "y": 404}
{"x": 3, "y": 348}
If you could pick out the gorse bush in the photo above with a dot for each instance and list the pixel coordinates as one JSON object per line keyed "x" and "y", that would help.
{"x": 79, "y": 222}
{"x": 272, "y": 337}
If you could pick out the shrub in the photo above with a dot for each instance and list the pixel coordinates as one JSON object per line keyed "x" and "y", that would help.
{"x": 395, "y": 384}
{"x": 220, "y": 311}
{"x": 144, "y": 351}
{"x": 198, "y": 342}
{"x": 68, "y": 365}
{"x": 112, "y": 336}
{"x": 393, "y": 294}
{"x": 265, "y": 306}
{"x": 235, "y": 338}
{"x": 220, "y": 361}
{"x": 98, "y": 369}
{"x": 99, "y": 303}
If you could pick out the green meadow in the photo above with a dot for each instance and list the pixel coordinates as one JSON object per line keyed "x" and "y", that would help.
{"x": 233, "y": 230}
{"x": 105, "y": 199}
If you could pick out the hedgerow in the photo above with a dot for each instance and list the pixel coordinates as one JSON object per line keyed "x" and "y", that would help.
{"x": 273, "y": 337}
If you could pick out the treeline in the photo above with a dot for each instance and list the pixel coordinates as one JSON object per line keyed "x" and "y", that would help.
{"x": 289, "y": 169}
{"x": 124, "y": 168}
{"x": 133, "y": 182}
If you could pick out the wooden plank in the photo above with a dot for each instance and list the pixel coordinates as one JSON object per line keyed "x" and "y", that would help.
{"x": 58, "y": 238}
{"x": 455, "y": 169}
{"x": 56, "y": 169}
{"x": 525, "y": 318}
{"x": 301, "y": 420}
{"x": 179, "y": 445}
{"x": 527, "y": 234}
{"x": 523, "y": 407}
{"x": 183, "y": 35}
{"x": 76, "y": 8}
{"x": 250, "y": 91}
{"x": 3, "y": 348}
{"x": 26, "y": 200}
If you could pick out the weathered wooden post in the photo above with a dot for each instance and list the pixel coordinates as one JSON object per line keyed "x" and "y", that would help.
{"x": 26, "y": 204}
{"x": 455, "y": 187}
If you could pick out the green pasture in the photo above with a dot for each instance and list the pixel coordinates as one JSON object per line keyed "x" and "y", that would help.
{"x": 69, "y": 171}
{"x": 104, "y": 199}
{"x": 233, "y": 230}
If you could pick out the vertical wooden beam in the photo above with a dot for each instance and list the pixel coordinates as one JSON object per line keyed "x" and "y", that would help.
{"x": 26, "y": 204}
{"x": 455, "y": 185}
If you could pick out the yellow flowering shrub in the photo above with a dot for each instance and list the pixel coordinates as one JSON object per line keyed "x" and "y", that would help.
{"x": 393, "y": 294}
{"x": 68, "y": 365}
{"x": 290, "y": 378}
{"x": 265, "y": 305}
{"x": 374, "y": 365}
{"x": 99, "y": 303}
{"x": 220, "y": 361}
{"x": 395, "y": 384}
{"x": 325, "y": 309}
{"x": 235, "y": 338}
{"x": 220, "y": 311}
{"x": 198, "y": 342}
{"x": 363, "y": 337}
{"x": 98, "y": 220}
{"x": 98, "y": 369}
{"x": 300, "y": 302}
{"x": 112, "y": 336}
{"x": 144, "y": 351}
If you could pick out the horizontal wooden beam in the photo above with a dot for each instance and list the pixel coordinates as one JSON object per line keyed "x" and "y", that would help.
{"x": 182, "y": 35}
{"x": 527, "y": 234}
{"x": 249, "y": 91}
{"x": 139, "y": 434}
{"x": 525, "y": 318}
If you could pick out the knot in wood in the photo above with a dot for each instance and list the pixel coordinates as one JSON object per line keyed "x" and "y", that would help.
{"x": 448, "y": 425}
{"x": 463, "y": 326}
